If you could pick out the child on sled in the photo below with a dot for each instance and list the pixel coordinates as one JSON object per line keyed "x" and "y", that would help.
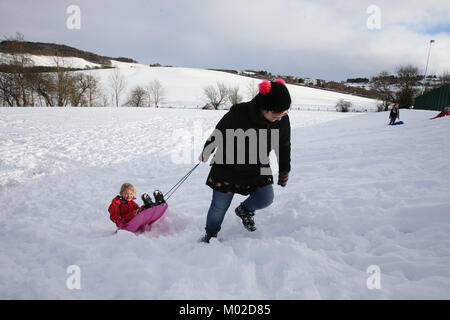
{"x": 123, "y": 208}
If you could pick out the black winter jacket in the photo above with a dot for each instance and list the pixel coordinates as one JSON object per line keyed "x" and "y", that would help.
{"x": 240, "y": 167}
{"x": 395, "y": 113}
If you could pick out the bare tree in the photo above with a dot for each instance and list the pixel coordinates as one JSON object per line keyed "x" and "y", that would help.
{"x": 156, "y": 93}
{"x": 46, "y": 88}
{"x": 16, "y": 81}
{"x": 408, "y": 76}
{"x": 137, "y": 97}
{"x": 117, "y": 85}
{"x": 78, "y": 89}
{"x": 105, "y": 102}
{"x": 7, "y": 89}
{"x": 408, "y": 79}
{"x": 64, "y": 85}
{"x": 93, "y": 92}
{"x": 233, "y": 95}
{"x": 383, "y": 85}
{"x": 215, "y": 97}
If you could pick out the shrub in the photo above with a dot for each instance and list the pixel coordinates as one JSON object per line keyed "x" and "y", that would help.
{"x": 343, "y": 106}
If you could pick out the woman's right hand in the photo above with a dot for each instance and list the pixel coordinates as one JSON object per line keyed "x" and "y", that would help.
{"x": 202, "y": 158}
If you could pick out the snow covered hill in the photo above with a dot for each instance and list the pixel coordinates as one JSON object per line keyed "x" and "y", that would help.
{"x": 52, "y": 61}
{"x": 184, "y": 86}
{"x": 360, "y": 194}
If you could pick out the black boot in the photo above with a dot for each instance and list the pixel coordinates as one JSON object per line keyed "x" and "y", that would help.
{"x": 159, "y": 197}
{"x": 246, "y": 216}
{"x": 208, "y": 237}
{"x": 147, "y": 201}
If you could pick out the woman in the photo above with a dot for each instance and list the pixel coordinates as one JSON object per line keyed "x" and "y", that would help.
{"x": 243, "y": 139}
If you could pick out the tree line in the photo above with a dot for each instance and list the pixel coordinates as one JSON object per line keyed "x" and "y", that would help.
{"x": 406, "y": 84}
{"x": 24, "y": 84}
{"x": 21, "y": 85}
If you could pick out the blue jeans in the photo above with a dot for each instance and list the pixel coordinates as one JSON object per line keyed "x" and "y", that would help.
{"x": 259, "y": 199}
{"x": 392, "y": 120}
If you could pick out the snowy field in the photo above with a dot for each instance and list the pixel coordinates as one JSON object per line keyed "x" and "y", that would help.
{"x": 360, "y": 194}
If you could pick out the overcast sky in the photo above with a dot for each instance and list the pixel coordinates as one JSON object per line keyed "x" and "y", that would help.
{"x": 331, "y": 40}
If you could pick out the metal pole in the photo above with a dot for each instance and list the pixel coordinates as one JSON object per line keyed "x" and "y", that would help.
{"x": 426, "y": 68}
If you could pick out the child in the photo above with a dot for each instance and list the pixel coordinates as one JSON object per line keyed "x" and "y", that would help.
{"x": 123, "y": 208}
{"x": 443, "y": 113}
{"x": 394, "y": 114}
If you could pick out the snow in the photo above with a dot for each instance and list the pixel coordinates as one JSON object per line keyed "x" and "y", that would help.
{"x": 184, "y": 86}
{"x": 52, "y": 61}
{"x": 360, "y": 194}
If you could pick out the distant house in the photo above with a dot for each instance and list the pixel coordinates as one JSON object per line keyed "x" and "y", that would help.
{"x": 310, "y": 81}
{"x": 248, "y": 73}
{"x": 436, "y": 99}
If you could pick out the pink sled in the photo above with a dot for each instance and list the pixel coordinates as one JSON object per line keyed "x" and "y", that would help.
{"x": 146, "y": 217}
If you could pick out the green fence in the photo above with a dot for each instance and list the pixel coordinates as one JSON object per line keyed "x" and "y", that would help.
{"x": 436, "y": 99}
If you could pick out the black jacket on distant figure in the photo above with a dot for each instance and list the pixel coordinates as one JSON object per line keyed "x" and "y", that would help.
{"x": 244, "y": 178}
{"x": 395, "y": 113}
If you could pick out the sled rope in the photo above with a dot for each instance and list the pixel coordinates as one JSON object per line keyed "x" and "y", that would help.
{"x": 168, "y": 194}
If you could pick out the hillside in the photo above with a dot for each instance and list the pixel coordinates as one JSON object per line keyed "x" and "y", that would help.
{"x": 43, "y": 55}
{"x": 184, "y": 87}
{"x": 60, "y": 50}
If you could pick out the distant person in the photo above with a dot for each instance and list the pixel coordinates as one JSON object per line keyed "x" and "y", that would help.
{"x": 394, "y": 114}
{"x": 266, "y": 113}
{"x": 443, "y": 113}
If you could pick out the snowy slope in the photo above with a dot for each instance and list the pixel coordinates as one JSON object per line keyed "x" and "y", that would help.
{"x": 360, "y": 193}
{"x": 52, "y": 61}
{"x": 184, "y": 86}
